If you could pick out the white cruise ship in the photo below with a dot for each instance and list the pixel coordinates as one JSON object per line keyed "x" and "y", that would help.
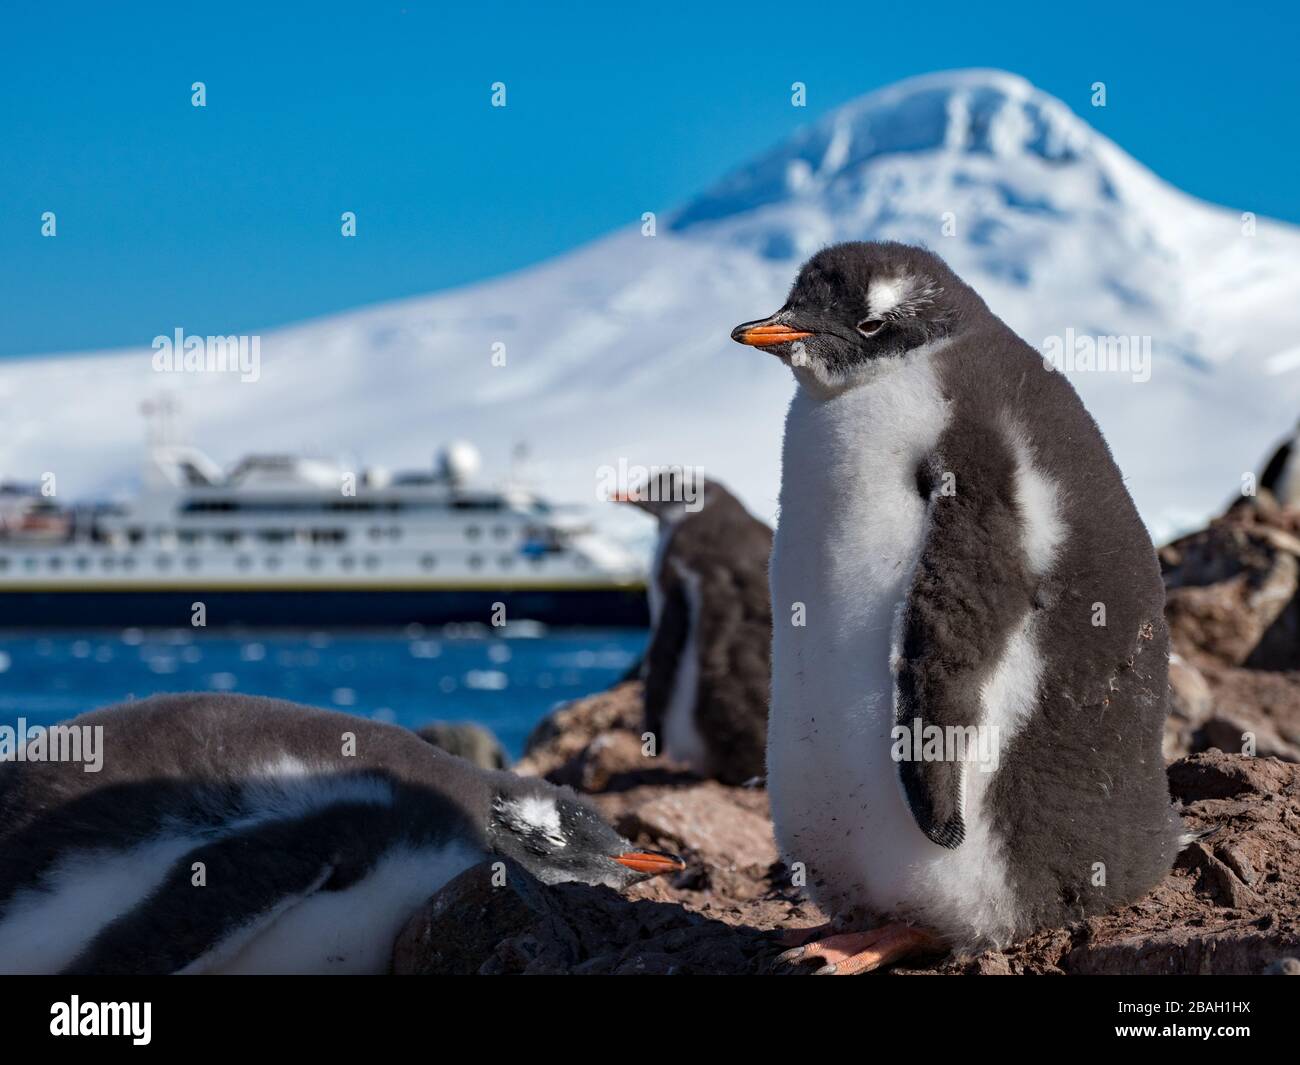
{"x": 286, "y": 540}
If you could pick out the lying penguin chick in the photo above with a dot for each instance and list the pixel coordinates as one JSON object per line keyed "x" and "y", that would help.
{"x": 706, "y": 671}
{"x": 466, "y": 740}
{"x": 234, "y": 834}
{"x": 965, "y": 733}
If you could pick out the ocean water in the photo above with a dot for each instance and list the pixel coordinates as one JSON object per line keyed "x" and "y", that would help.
{"x": 504, "y": 679}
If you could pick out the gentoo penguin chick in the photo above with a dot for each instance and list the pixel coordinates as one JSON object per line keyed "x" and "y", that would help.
{"x": 1282, "y": 474}
{"x": 965, "y": 732}
{"x": 235, "y": 834}
{"x": 706, "y": 671}
{"x": 466, "y": 740}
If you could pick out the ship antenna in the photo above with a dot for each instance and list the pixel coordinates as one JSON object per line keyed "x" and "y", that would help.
{"x": 160, "y": 434}
{"x": 159, "y": 424}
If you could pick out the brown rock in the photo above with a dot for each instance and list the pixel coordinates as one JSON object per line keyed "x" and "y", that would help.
{"x": 1260, "y": 705}
{"x": 1234, "y": 617}
{"x": 707, "y": 821}
{"x": 1191, "y": 702}
{"x": 518, "y": 925}
{"x": 565, "y": 734}
{"x": 1232, "y": 590}
{"x": 1215, "y": 775}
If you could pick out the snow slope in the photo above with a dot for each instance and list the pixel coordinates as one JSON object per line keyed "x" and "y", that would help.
{"x": 620, "y": 350}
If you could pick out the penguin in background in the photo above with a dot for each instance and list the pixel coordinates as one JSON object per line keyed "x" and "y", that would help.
{"x": 1281, "y": 475}
{"x": 236, "y": 834}
{"x": 466, "y": 740}
{"x": 965, "y": 735}
{"x": 706, "y": 671}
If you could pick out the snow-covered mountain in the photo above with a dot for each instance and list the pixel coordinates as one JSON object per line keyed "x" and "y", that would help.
{"x": 620, "y": 350}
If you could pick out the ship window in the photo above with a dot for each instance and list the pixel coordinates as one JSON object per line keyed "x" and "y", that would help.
{"x": 243, "y": 562}
{"x": 507, "y": 561}
{"x": 4, "y": 562}
{"x": 135, "y": 535}
{"x": 372, "y": 562}
{"x": 29, "y": 563}
{"x": 581, "y": 561}
{"x": 395, "y": 533}
{"x": 475, "y": 561}
{"x": 272, "y": 561}
{"x": 55, "y": 562}
{"x": 347, "y": 561}
{"x": 107, "y": 562}
{"x": 128, "y": 562}
{"x": 82, "y": 562}
{"x": 428, "y": 561}
{"x": 328, "y": 536}
{"x": 208, "y": 505}
{"x": 473, "y": 532}
{"x": 229, "y": 536}
{"x": 313, "y": 562}
{"x": 376, "y": 533}
{"x": 191, "y": 562}
{"x": 500, "y": 532}
{"x": 273, "y": 536}
{"x": 189, "y": 536}
{"x": 163, "y": 561}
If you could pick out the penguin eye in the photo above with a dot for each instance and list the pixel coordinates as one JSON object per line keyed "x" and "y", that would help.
{"x": 870, "y": 326}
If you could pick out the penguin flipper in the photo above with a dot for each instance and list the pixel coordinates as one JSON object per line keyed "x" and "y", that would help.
{"x": 968, "y": 593}
{"x": 250, "y": 880}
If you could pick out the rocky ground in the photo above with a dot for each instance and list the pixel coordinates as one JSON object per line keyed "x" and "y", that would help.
{"x": 1230, "y": 905}
{"x": 1234, "y": 614}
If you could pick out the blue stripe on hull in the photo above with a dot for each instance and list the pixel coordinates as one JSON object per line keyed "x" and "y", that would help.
{"x": 596, "y": 607}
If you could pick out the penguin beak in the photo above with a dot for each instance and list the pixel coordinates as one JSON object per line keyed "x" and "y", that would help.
{"x": 652, "y": 863}
{"x": 767, "y": 332}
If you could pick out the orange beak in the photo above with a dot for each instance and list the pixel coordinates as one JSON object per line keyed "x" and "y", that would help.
{"x": 651, "y": 862}
{"x": 764, "y": 334}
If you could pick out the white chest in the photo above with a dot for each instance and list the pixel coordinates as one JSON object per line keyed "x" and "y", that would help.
{"x": 351, "y": 931}
{"x": 851, "y": 528}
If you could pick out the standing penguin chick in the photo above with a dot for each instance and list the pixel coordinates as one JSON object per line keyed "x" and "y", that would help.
{"x": 965, "y": 734}
{"x": 707, "y": 673}
{"x": 1282, "y": 474}
{"x": 234, "y": 834}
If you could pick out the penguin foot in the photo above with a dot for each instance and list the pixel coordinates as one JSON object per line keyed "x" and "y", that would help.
{"x": 798, "y": 937}
{"x": 851, "y": 953}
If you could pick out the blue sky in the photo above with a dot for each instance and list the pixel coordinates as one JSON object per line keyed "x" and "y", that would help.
{"x": 226, "y": 218}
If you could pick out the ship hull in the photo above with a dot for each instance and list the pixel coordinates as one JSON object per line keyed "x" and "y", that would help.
{"x": 325, "y": 608}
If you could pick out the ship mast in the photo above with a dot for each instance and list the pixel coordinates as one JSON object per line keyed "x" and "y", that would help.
{"x": 160, "y": 436}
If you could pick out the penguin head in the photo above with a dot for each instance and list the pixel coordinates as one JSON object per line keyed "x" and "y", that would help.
{"x": 558, "y": 838}
{"x": 671, "y": 492}
{"x": 853, "y": 305}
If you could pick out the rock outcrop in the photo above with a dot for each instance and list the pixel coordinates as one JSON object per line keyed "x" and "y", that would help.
{"x": 1234, "y": 617}
{"x": 1230, "y": 905}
